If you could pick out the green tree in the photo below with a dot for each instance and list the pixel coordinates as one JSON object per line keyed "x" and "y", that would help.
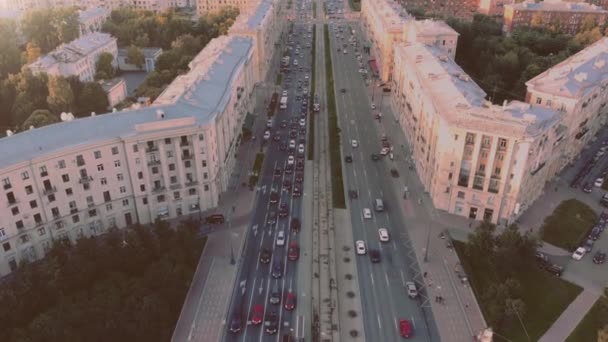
{"x": 10, "y": 61}
{"x": 104, "y": 69}
{"x": 61, "y": 97}
{"x": 91, "y": 99}
{"x": 48, "y": 28}
{"x": 39, "y": 118}
{"x": 31, "y": 91}
{"x": 187, "y": 44}
{"x": 135, "y": 56}
{"x": 32, "y": 52}
{"x": 142, "y": 41}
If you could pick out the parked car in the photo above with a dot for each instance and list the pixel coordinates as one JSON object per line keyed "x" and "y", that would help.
{"x": 214, "y": 219}
{"x": 587, "y": 188}
{"x": 599, "y": 257}
{"x": 599, "y": 182}
{"x": 412, "y": 291}
{"x": 588, "y": 245}
{"x": 579, "y": 253}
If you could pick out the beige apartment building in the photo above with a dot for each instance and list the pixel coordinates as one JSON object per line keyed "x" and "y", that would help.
{"x": 494, "y": 8}
{"x": 264, "y": 26}
{"x": 213, "y": 6}
{"x": 383, "y": 22}
{"x": 81, "y": 177}
{"x": 432, "y": 32}
{"x": 476, "y": 159}
{"x": 152, "y": 5}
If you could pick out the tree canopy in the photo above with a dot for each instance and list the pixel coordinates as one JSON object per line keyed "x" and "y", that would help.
{"x": 49, "y": 27}
{"x": 126, "y": 285}
{"x": 104, "y": 69}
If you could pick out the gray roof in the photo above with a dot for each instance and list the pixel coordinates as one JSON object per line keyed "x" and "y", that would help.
{"x": 203, "y": 101}
{"x": 92, "y": 13}
{"x": 260, "y": 13}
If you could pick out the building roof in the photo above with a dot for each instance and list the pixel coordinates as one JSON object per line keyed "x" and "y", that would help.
{"x": 459, "y": 99}
{"x": 576, "y": 76}
{"x": 391, "y": 13}
{"x": 74, "y": 50}
{"x": 149, "y": 52}
{"x": 93, "y": 12}
{"x": 557, "y": 6}
{"x": 254, "y": 20}
{"x": 430, "y": 27}
{"x": 108, "y": 85}
{"x": 205, "y": 92}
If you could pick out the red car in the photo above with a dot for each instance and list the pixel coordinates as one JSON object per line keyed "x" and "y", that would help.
{"x": 257, "y": 314}
{"x": 405, "y": 328}
{"x": 294, "y": 251}
{"x": 290, "y": 301}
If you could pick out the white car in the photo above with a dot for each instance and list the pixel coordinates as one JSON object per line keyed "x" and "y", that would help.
{"x": 295, "y": 62}
{"x": 302, "y": 122}
{"x": 306, "y": 76}
{"x": 354, "y": 143}
{"x": 284, "y": 92}
{"x": 269, "y": 123}
{"x": 384, "y": 151}
{"x": 266, "y": 135}
{"x": 599, "y": 182}
{"x": 290, "y": 160}
{"x": 301, "y": 149}
{"x": 383, "y": 234}
{"x": 281, "y": 238}
{"x": 412, "y": 292}
{"x": 360, "y": 247}
{"x": 373, "y": 106}
{"x": 367, "y": 213}
{"x": 292, "y": 143}
{"x": 579, "y": 253}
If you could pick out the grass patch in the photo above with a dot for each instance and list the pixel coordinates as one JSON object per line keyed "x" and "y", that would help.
{"x": 257, "y": 169}
{"x": 594, "y": 320}
{"x": 337, "y": 183}
{"x": 569, "y": 224}
{"x": 544, "y": 295}
{"x": 311, "y": 114}
{"x": 279, "y": 79}
{"x": 355, "y": 5}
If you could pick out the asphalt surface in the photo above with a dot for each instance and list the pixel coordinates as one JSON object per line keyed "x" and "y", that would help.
{"x": 384, "y": 297}
{"x": 254, "y": 282}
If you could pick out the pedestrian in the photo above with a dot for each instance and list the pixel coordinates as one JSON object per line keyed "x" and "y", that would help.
{"x": 424, "y": 275}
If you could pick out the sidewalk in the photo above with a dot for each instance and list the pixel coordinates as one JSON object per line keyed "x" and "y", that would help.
{"x": 571, "y": 317}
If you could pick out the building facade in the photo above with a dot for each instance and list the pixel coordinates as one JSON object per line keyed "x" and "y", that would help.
{"x": 78, "y": 57}
{"x": 494, "y": 8}
{"x": 152, "y": 5}
{"x": 568, "y": 16}
{"x": 150, "y": 57}
{"x": 92, "y": 19}
{"x": 81, "y": 177}
{"x": 464, "y": 9}
{"x": 383, "y": 22}
{"x": 264, "y": 26}
{"x": 476, "y": 159}
{"x": 432, "y": 32}
{"x": 204, "y": 7}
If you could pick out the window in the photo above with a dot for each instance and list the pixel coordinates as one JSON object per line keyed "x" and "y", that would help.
{"x": 450, "y": 176}
{"x": 100, "y": 167}
{"x": 52, "y": 198}
{"x": 142, "y": 187}
{"x": 104, "y": 180}
{"x": 61, "y": 164}
{"x": 548, "y": 103}
{"x": 176, "y": 195}
{"x": 29, "y": 190}
{"x": 201, "y": 137}
{"x": 460, "y": 194}
{"x": 25, "y": 175}
{"x": 167, "y": 141}
{"x": 37, "y": 218}
{"x": 109, "y": 207}
{"x": 160, "y": 198}
{"x": 60, "y": 225}
{"x": 205, "y": 163}
{"x": 206, "y": 187}
{"x": 79, "y": 160}
{"x": 187, "y": 163}
{"x": 41, "y": 231}
{"x": 123, "y": 189}
{"x": 6, "y": 183}
{"x": 144, "y": 200}
{"x": 140, "y": 175}
{"x": 171, "y": 167}
{"x": 69, "y": 192}
{"x": 154, "y": 170}
{"x": 65, "y": 178}
{"x": 173, "y": 179}
{"x": 125, "y": 202}
{"x": 15, "y": 211}
{"x": 19, "y": 224}
{"x": 55, "y": 211}
{"x": 117, "y": 163}
{"x": 92, "y": 212}
{"x": 539, "y": 100}
{"x": 7, "y": 245}
{"x": 106, "y": 196}
{"x": 43, "y": 171}
{"x": 135, "y": 148}
{"x": 33, "y": 204}
{"x": 90, "y": 200}
{"x": 137, "y": 161}
{"x": 169, "y": 154}
{"x": 114, "y": 151}
{"x": 97, "y": 154}
{"x": 503, "y": 143}
{"x": 205, "y": 175}
{"x": 119, "y": 176}
{"x": 75, "y": 219}
{"x": 191, "y": 191}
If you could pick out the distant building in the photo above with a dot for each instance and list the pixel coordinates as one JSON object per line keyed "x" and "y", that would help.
{"x": 116, "y": 89}
{"x": 432, "y": 32}
{"x": 383, "y": 22}
{"x": 568, "y": 16}
{"x": 464, "y": 9}
{"x": 494, "y": 8}
{"x": 150, "y": 57}
{"x": 77, "y": 57}
{"x": 91, "y": 20}
{"x": 204, "y": 7}
{"x": 152, "y": 5}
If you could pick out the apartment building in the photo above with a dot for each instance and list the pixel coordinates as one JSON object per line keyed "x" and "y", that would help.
{"x": 568, "y": 16}
{"x": 494, "y": 8}
{"x": 464, "y": 9}
{"x": 213, "y": 6}
{"x": 477, "y": 160}
{"x": 81, "y": 177}
{"x": 78, "y": 57}
{"x": 575, "y": 87}
{"x": 152, "y": 5}
{"x": 432, "y": 32}
{"x": 383, "y": 22}
{"x": 264, "y": 26}
{"x": 92, "y": 19}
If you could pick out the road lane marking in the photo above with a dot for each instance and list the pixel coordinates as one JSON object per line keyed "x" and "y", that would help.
{"x": 379, "y": 322}
{"x": 372, "y": 276}
{"x": 386, "y": 278}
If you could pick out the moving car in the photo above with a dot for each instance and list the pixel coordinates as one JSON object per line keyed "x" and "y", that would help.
{"x": 587, "y": 188}
{"x": 281, "y": 238}
{"x": 295, "y": 224}
{"x": 294, "y": 251}
{"x": 290, "y": 160}
{"x": 367, "y": 213}
{"x": 412, "y": 291}
{"x": 301, "y": 149}
{"x": 383, "y": 235}
{"x": 265, "y": 256}
{"x": 360, "y": 247}
{"x": 599, "y": 257}
{"x": 394, "y": 173}
{"x": 277, "y": 270}
{"x": 290, "y": 301}
{"x": 271, "y": 324}
{"x": 579, "y": 253}
{"x": 405, "y": 328}
{"x": 374, "y": 255}
{"x": 384, "y": 151}
{"x": 266, "y": 135}
{"x": 283, "y": 210}
{"x": 348, "y": 159}
{"x": 375, "y": 157}
{"x": 272, "y": 217}
{"x": 354, "y": 143}
{"x": 257, "y": 314}
{"x": 235, "y": 322}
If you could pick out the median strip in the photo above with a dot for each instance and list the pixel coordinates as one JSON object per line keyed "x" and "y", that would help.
{"x": 311, "y": 113}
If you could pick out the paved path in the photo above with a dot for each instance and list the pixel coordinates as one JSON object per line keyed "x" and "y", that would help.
{"x": 571, "y": 317}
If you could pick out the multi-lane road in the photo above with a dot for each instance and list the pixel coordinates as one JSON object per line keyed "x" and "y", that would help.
{"x": 256, "y": 282}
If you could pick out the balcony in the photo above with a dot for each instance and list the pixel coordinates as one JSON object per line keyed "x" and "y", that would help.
{"x": 85, "y": 179}
{"x": 153, "y": 162}
{"x": 56, "y": 216}
{"x": 49, "y": 190}
{"x": 11, "y": 203}
{"x": 184, "y": 143}
{"x": 478, "y": 183}
{"x": 494, "y": 185}
{"x": 44, "y": 174}
{"x": 151, "y": 149}
{"x": 91, "y": 205}
{"x": 191, "y": 183}
{"x": 158, "y": 189}
{"x": 73, "y": 210}
{"x": 175, "y": 186}
{"x": 186, "y": 156}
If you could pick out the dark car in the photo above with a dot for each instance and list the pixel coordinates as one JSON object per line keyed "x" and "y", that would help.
{"x": 295, "y": 224}
{"x": 554, "y": 269}
{"x": 588, "y": 188}
{"x": 348, "y": 159}
{"x": 290, "y": 301}
{"x": 299, "y": 177}
{"x": 283, "y": 147}
{"x": 277, "y": 270}
{"x": 265, "y": 256}
{"x": 302, "y": 131}
{"x": 275, "y": 297}
{"x": 353, "y": 194}
{"x": 214, "y": 219}
{"x": 595, "y": 233}
{"x": 283, "y": 123}
{"x": 274, "y": 197}
{"x": 374, "y": 255}
{"x": 276, "y": 138}
{"x": 271, "y": 324}
{"x": 541, "y": 257}
{"x": 277, "y": 172}
{"x": 300, "y": 165}
{"x": 294, "y": 251}
{"x": 394, "y": 173}
{"x": 375, "y": 156}
{"x": 287, "y": 184}
{"x": 293, "y": 133}
{"x": 236, "y": 322}
{"x": 599, "y": 257}
{"x": 343, "y": 90}
{"x": 283, "y": 210}
{"x": 296, "y": 191}
{"x": 588, "y": 245}
{"x": 272, "y": 217}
